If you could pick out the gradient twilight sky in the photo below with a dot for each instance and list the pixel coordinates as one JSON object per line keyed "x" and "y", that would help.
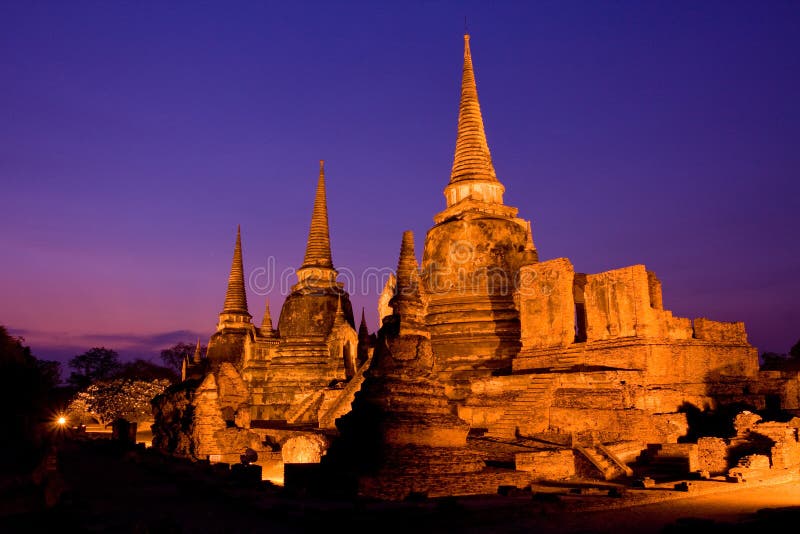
{"x": 135, "y": 136}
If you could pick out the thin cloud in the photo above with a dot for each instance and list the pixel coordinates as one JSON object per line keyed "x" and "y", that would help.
{"x": 61, "y": 346}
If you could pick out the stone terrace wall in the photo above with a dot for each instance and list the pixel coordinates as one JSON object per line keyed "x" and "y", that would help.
{"x": 620, "y": 303}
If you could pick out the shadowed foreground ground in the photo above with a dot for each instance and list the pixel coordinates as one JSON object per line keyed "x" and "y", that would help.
{"x": 112, "y": 489}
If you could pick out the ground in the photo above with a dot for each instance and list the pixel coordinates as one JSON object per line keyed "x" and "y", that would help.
{"x": 109, "y": 488}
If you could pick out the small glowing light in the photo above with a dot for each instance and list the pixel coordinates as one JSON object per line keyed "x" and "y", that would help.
{"x": 62, "y": 420}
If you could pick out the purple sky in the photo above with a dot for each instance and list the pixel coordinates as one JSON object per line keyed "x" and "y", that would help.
{"x": 135, "y": 136}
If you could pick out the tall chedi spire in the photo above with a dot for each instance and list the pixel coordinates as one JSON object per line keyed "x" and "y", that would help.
{"x": 407, "y": 301}
{"x": 235, "y": 297}
{"x": 472, "y": 160}
{"x": 472, "y": 175}
{"x": 318, "y": 248}
{"x": 317, "y": 264}
{"x": 235, "y": 308}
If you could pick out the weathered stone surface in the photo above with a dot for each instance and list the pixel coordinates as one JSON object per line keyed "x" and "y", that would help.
{"x": 384, "y": 310}
{"x": 712, "y": 455}
{"x": 615, "y": 425}
{"x": 311, "y": 312}
{"x": 173, "y": 420}
{"x": 227, "y": 346}
{"x": 745, "y": 421}
{"x": 719, "y": 331}
{"x": 208, "y": 419}
{"x": 547, "y": 304}
{"x": 552, "y": 464}
{"x": 304, "y": 449}
{"x": 751, "y": 467}
{"x": 469, "y": 269}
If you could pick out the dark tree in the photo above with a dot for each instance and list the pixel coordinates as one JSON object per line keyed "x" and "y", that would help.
{"x": 140, "y": 369}
{"x": 173, "y": 356}
{"x": 25, "y": 394}
{"x": 98, "y": 363}
{"x": 773, "y": 361}
{"x": 50, "y": 371}
{"x": 794, "y": 352}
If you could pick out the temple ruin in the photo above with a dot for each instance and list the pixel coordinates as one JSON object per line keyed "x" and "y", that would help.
{"x": 492, "y": 366}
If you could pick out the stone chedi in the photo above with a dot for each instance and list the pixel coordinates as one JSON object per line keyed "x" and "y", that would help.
{"x": 471, "y": 256}
{"x": 318, "y": 340}
{"x": 402, "y": 435}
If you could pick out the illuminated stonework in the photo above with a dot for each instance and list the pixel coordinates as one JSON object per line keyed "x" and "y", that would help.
{"x": 487, "y": 355}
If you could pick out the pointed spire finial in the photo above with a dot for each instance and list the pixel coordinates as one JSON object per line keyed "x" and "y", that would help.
{"x": 235, "y": 296}
{"x": 318, "y": 248}
{"x": 407, "y": 301}
{"x": 530, "y": 255}
{"x": 339, "y": 318}
{"x": 363, "y": 329}
{"x": 408, "y": 279}
{"x": 529, "y": 238}
{"x": 197, "y": 352}
{"x": 266, "y": 322}
{"x": 472, "y": 160}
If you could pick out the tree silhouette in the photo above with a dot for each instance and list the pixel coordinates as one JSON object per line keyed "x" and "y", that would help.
{"x": 26, "y": 392}
{"x": 98, "y": 363}
{"x": 782, "y": 362}
{"x": 173, "y": 357}
{"x": 140, "y": 369}
{"x": 794, "y": 352}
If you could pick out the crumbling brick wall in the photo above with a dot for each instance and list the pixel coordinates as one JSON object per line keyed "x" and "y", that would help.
{"x": 719, "y": 331}
{"x": 712, "y": 455}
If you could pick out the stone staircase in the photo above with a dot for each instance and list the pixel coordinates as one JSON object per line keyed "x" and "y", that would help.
{"x": 533, "y": 398}
{"x": 344, "y": 400}
{"x": 569, "y": 360}
{"x": 295, "y": 414}
{"x": 609, "y": 466}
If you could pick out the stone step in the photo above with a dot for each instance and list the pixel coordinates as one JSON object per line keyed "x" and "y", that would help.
{"x": 526, "y": 404}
